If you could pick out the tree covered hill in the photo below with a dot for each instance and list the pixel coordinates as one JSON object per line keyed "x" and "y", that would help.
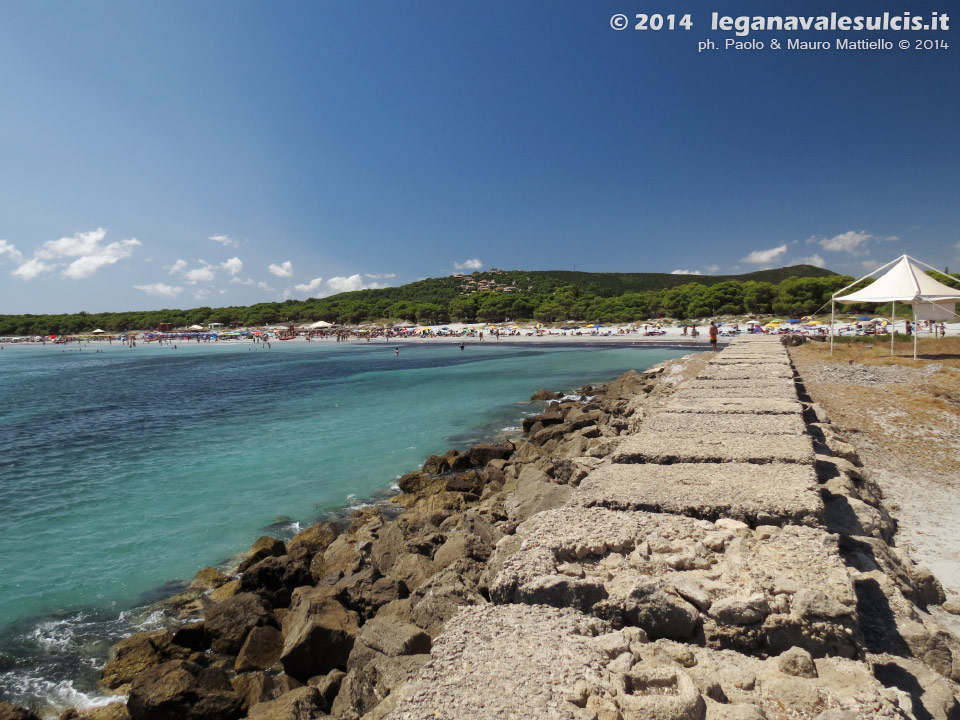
{"x": 495, "y": 296}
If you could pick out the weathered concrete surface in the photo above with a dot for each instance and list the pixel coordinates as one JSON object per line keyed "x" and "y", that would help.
{"x": 670, "y": 447}
{"x": 724, "y": 359}
{"x": 772, "y": 494}
{"x": 758, "y": 591}
{"x": 536, "y": 662}
{"x": 728, "y": 390}
{"x": 726, "y": 424}
{"x": 743, "y": 371}
{"x": 504, "y": 662}
{"x": 733, "y": 405}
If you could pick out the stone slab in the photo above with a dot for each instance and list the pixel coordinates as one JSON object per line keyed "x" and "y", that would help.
{"x": 773, "y": 494}
{"x": 668, "y": 448}
{"x": 519, "y": 662}
{"x": 757, "y": 591}
{"x": 748, "y": 360}
{"x": 503, "y": 662}
{"x": 783, "y": 392}
{"x": 743, "y": 371}
{"x": 733, "y": 405}
{"x": 724, "y": 424}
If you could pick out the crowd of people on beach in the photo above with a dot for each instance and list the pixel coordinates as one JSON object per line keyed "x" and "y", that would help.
{"x": 477, "y": 332}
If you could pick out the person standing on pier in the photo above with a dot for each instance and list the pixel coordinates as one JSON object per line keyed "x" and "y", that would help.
{"x": 713, "y": 335}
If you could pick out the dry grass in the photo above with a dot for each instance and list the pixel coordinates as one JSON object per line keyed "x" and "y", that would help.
{"x": 907, "y": 411}
{"x": 945, "y": 351}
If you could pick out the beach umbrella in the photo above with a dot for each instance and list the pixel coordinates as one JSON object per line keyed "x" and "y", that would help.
{"x": 864, "y": 317}
{"x": 793, "y": 321}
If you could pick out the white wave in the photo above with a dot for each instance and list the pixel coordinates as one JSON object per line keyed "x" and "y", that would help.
{"x": 56, "y": 696}
{"x": 56, "y": 635}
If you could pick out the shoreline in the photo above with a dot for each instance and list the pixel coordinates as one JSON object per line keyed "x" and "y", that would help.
{"x": 143, "y": 613}
{"x": 458, "y": 527}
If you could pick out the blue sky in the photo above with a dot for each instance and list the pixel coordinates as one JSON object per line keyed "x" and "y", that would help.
{"x": 178, "y": 154}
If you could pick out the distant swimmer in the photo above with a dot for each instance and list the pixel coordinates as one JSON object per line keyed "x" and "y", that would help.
{"x": 396, "y": 352}
{"x": 461, "y": 346}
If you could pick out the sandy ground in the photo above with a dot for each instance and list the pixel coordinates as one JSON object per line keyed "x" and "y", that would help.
{"x": 903, "y": 417}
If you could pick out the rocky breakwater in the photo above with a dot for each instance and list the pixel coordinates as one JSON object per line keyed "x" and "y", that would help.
{"x": 729, "y": 558}
{"x": 693, "y": 542}
{"x": 329, "y": 623}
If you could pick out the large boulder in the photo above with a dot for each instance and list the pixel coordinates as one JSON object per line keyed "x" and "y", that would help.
{"x": 305, "y": 703}
{"x": 259, "y": 686}
{"x": 275, "y": 578}
{"x": 313, "y": 539}
{"x": 438, "y": 599}
{"x": 261, "y": 650}
{"x": 9, "y": 711}
{"x": 481, "y": 454}
{"x": 181, "y": 690}
{"x": 319, "y": 633}
{"x": 135, "y": 654}
{"x": 393, "y": 638}
{"x": 413, "y": 569}
{"x": 228, "y": 623}
{"x": 264, "y": 546}
{"x": 535, "y": 493}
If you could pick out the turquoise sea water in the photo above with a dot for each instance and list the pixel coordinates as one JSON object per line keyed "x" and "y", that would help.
{"x": 125, "y": 471}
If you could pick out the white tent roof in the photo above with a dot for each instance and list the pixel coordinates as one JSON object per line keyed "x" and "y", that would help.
{"x": 904, "y": 282}
{"x": 320, "y": 324}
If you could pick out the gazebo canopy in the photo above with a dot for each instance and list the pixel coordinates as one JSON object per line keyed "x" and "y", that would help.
{"x": 905, "y": 282}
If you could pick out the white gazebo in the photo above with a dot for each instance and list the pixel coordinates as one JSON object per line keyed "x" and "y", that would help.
{"x": 904, "y": 282}
{"x": 319, "y": 324}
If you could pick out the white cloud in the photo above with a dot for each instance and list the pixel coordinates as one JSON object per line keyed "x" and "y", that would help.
{"x": 200, "y": 294}
{"x": 179, "y": 265}
{"x": 242, "y": 281}
{"x": 84, "y": 267}
{"x": 204, "y": 273}
{"x": 309, "y": 287}
{"x": 814, "y": 260}
{"x": 380, "y": 276}
{"x": 83, "y": 243}
{"x": 765, "y": 257}
{"x": 264, "y": 286}
{"x": 224, "y": 240}
{"x": 471, "y": 264}
{"x": 31, "y": 268}
{"x": 341, "y": 284}
{"x": 712, "y": 268}
{"x": 685, "y": 272}
{"x": 284, "y": 269}
{"x": 233, "y": 266}
{"x": 853, "y": 241}
{"x": 869, "y": 265}
{"x": 89, "y": 255}
{"x": 11, "y": 250}
{"x": 160, "y": 288}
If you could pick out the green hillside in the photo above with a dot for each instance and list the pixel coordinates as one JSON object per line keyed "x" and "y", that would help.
{"x": 494, "y": 296}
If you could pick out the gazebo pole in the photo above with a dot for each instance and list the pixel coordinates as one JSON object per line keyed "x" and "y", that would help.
{"x": 915, "y": 333}
{"x": 832, "y": 313}
{"x": 893, "y": 323}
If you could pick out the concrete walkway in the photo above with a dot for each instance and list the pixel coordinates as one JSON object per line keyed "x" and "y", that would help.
{"x": 689, "y": 576}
